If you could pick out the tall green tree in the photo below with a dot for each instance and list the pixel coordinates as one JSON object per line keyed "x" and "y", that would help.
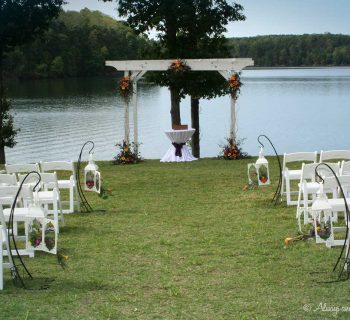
{"x": 202, "y": 37}
{"x": 20, "y": 22}
{"x": 185, "y": 29}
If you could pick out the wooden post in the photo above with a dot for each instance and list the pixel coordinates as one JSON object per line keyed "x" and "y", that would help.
{"x": 233, "y": 129}
{"x": 135, "y": 77}
{"x": 135, "y": 113}
{"x": 126, "y": 117}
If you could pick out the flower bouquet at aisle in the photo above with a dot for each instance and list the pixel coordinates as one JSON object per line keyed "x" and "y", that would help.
{"x": 128, "y": 154}
{"x": 232, "y": 150}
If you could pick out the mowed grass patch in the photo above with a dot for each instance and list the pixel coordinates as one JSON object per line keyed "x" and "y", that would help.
{"x": 181, "y": 241}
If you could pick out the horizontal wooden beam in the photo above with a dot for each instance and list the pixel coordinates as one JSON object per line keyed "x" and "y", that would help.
{"x": 231, "y": 64}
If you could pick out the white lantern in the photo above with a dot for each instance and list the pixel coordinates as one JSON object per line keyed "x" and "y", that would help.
{"x": 258, "y": 172}
{"x": 262, "y": 168}
{"x": 322, "y": 218}
{"x": 41, "y": 234}
{"x": 92, "y": 181}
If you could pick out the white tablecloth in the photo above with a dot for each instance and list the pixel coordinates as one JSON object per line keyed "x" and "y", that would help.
{"x": 179, "y": 136}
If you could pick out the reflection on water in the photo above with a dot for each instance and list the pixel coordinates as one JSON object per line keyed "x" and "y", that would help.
{"x": 299, "y": 109}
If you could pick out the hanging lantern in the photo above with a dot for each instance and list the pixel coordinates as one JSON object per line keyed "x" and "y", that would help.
{"x": 262, "y": 168}
{"x": 258, "y": 172}
{"x": 41, "y": 232}
{"x": 321, "y": 212}
{"x": 92, "y": 176}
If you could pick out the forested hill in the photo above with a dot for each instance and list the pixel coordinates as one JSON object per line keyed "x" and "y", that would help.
{"x": 294, "y": 50}
{"x": 77, "y": 44}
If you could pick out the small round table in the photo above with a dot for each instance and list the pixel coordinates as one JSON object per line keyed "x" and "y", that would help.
{"x": 179, "y": 152}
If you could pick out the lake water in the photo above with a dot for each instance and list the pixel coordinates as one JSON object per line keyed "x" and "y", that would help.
{"x": 298, "y": 109}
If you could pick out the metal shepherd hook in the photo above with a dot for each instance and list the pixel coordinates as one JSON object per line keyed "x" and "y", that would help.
{"x": 278, "y": 190}
{"x": 16, "y": 277}
{"x": 85, "y": 204}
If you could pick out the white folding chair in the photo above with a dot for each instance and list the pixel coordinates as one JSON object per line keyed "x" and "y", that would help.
{"x": 25, "y": 197}
{"x": 4, "y": 249}
{"x": 69, "y": 184}
{"x": 293, "y": 174}
{"x": 326, "y": 156}
{"x": 345, "y": 168}
{"x": 308, "y": 186}
{"x": 337, "y": 203}
{"x": 22, "y": 168}
{"x": 7, "y": 179}
{"x": 48, "y": 194}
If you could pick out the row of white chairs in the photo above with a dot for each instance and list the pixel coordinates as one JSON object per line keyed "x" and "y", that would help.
{"x": 335, "y": 201}
{"x": 288, "y": 175}
{"x": 309, "y": 186}
{"x": 47, "y": 196}
{"x": 15, "y": 173}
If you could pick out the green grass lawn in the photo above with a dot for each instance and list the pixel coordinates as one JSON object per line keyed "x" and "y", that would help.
{"x": 181, "y": 241}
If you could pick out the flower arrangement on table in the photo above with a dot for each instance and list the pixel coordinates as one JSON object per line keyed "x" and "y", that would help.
{"x": 179, "y": 66}
{"x": 125, "y": 88}
{"x": 232, "y": 150}
{"x": 235, "y": 83}
{"x": 128, "y": 154}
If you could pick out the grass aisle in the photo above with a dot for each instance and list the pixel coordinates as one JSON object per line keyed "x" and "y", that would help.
{"x": 181, "y": 241}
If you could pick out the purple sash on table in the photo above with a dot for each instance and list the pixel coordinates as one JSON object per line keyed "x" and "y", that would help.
{"x": 178, "y": 148}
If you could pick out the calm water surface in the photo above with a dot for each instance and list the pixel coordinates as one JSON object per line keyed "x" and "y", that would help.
{"x": 299, "y": 109}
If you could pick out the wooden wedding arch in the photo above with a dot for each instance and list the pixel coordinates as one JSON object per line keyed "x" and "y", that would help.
{"x": 135, "y": 69}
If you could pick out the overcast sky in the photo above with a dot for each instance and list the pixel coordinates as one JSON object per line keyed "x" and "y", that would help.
{"x": 267, "y": 16}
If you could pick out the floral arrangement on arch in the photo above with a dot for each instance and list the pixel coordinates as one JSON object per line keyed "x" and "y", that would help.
{"x": 125, "y": 88}
{"x": 179, "y": 66}
{"x": 235, "y": 83}
{"x": 232, "y": 150}
{"x": 128, "y": 154}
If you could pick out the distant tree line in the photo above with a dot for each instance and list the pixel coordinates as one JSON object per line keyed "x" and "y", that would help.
{"x": 294, "y": 50}
{"x": 76, "y": 44}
